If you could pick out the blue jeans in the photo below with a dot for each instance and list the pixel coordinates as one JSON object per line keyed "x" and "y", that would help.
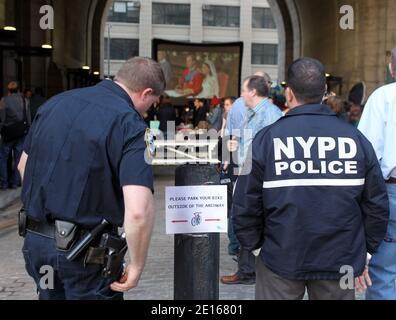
{"x": 382, "y": 267}
{"x": 5, "y": 150}
{"x": 233, "y": 245}
{"x": 69, "y": 280}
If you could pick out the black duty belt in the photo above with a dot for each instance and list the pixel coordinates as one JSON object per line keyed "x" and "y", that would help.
{"x": 391, "y": 180}
{"x": 48, "y": 229}
{"x": 43, "y": 228}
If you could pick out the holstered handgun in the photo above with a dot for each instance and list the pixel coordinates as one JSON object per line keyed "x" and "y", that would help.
{"x": 115, "y": 248}
{"x": 110, "y": 254}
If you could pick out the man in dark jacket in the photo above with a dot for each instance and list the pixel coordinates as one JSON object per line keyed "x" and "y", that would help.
{"x": 13, "y": 109}
{"x": 36, "y": 101}
{"x": 314, "y": 202}
{"x": 166, "y": 113}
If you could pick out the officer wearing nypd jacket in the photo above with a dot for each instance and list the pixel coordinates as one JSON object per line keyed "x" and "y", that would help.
{"x": 313, "y": 202}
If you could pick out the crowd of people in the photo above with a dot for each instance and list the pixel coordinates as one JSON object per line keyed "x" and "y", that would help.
{"x": 198, "y": 114}
{"x": 288, "y": 150}
{"x": 261, "y": 105}
{"x": 285, "y": 238}
{"x": 209, "y": 114}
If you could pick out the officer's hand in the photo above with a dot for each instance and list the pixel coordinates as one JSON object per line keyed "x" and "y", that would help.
{"x": 128, "y": 281}
{"x": 226, "y": 165}
{"x": 362, "y": 282}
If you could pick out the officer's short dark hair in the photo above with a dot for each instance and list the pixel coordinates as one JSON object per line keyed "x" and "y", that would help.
{"x": 306, "y": 77}
{"x": 140, "y": 73}
{"x": 259, "y": 84}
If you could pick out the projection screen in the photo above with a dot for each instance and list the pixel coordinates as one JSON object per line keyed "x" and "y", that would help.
{"x": 200, "y": 70}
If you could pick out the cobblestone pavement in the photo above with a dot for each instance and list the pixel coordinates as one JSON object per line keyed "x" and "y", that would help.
{"x": 8, "y": 196}
{"x": 156, "y": 282}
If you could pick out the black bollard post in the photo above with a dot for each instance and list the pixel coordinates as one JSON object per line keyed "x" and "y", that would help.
{"x": 196, "y": 271}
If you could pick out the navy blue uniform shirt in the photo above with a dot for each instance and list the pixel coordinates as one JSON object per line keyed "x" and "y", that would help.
{"x": 315, "y": 199}
{"x": 84, "y": 145}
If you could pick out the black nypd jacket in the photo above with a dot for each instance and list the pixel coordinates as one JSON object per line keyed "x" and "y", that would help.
{"x": 314, "y": 200}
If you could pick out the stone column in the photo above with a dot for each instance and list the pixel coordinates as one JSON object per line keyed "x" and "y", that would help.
{"x": 196, "y": 30}
{"x": 246, "y": 36}
{"x": 145, "y": 28}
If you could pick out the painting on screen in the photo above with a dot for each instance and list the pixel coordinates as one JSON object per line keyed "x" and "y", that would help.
{"x": 200, "y": 70}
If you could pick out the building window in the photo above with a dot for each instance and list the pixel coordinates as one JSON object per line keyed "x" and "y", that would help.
{"x": 265, "y": 54}
{"x": 263, "y": 19}
{"x": 124, "y": 11}
{"x": 176, "y": 14}
{"x": 221, "y": 16}
{"x": 122, "y": 49}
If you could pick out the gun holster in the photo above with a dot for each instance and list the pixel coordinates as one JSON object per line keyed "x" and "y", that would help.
{"x": 110, "y": 254}
{"x": 65, "y": 234}
{"x": 22, "y": 222}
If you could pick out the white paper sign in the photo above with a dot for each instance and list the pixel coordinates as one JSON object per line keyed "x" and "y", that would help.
{"x": 196, "y": 209}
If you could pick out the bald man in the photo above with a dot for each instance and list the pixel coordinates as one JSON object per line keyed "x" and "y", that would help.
{"x": 257, "y": 112}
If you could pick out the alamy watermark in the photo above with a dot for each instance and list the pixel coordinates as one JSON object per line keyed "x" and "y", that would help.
{"x": 48, "y": 279}
{"x": 174, "y": 147}
{"x": 47, "y": 20}
{"x": 347, "y": 281}
{"x": 347, "y": 21}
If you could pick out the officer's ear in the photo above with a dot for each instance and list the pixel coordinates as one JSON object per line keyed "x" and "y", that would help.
{"x": 146, "y": 93}
{"x": 289, "y": 96}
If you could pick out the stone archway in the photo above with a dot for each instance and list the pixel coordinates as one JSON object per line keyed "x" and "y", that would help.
{"x": 288, "y": 23}
{"x": 306, "y": 27}
{"x": 98, "y": 29}
{"x": 285, "y": 14}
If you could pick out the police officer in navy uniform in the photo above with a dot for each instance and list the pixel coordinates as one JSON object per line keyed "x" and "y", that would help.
{"x": 87, "y": 160}
{"x": 314, "y": 202}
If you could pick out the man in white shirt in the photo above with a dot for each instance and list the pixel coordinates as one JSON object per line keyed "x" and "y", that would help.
{"x": 378, "y": 124}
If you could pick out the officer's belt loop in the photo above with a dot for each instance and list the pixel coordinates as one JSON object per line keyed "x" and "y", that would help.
{"x": 47, "y": 229}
